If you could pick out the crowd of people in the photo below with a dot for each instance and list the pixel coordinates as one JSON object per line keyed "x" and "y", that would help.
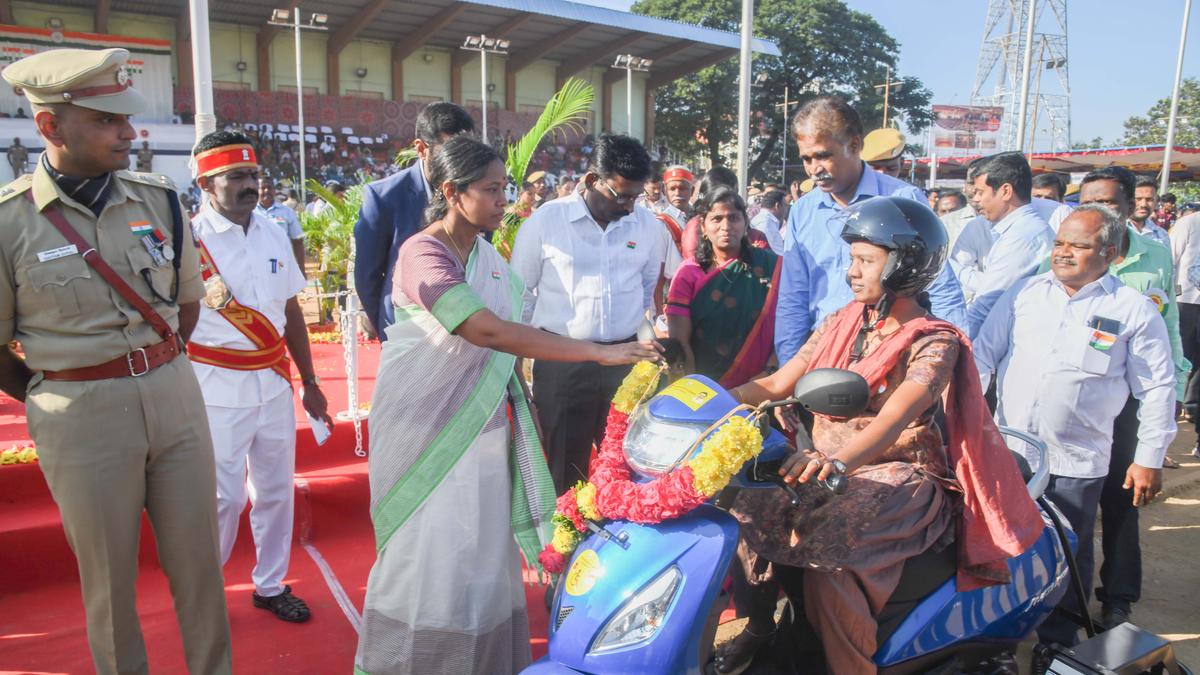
{"x": 997, "y": 304}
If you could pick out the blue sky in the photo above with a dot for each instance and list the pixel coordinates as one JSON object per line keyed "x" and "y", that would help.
{"x": 1114, "y": 75}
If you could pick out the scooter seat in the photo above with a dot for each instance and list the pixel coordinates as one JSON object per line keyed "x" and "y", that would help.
{"x": 922, "y": 575}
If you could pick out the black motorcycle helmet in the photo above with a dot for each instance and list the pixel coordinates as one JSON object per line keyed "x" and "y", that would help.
{"x": 914, "y": 236}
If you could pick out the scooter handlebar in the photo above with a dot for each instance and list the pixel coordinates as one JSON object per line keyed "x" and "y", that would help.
{"x": 768, "y": 472}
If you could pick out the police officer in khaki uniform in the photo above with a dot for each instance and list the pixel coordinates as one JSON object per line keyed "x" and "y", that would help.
{"x": 112, "y": 403}
{"x": 883, "y": 149}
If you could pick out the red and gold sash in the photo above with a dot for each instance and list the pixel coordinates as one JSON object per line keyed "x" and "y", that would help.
{"x": 271, "y": 349}
{"x": 675, "y": 230}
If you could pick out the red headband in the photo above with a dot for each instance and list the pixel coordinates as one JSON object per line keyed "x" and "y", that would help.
{"x": 678, "y": 173}
{"x": 225, "y": 158}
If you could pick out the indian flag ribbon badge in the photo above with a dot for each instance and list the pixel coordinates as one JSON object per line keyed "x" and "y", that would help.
{"x": 631, "y": 244}
{"x": 140, "y": 228}
{"x": 1101, "y": 340}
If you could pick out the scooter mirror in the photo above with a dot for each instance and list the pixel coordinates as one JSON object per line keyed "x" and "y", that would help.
{"x": 645, "y": 332}
{"x": 833, "y": 392}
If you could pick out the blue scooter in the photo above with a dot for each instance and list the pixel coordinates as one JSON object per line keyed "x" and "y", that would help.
{"x": 647, "y": 598}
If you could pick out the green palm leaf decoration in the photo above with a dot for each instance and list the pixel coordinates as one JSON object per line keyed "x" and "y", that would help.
{"x": 327, "y": 235}
{"x": 566, "y": 110}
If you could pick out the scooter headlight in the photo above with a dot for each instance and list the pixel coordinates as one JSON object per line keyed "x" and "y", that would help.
{"x": 641, "y": 615}
{"x": 653, "y": 446}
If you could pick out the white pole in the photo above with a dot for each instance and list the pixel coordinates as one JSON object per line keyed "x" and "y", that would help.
{"x": 1024, "y": 109}
{"x": 206, "y": 119}
{"x": 483, "y": 96}
{"x": 1165, "y": 180}
{"x": 300, "y": 105}
{"x": 743, "y": 148}
{"x": 629, "y": 97}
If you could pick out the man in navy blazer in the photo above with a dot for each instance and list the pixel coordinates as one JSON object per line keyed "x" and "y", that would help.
{"x": 393, "y": 210}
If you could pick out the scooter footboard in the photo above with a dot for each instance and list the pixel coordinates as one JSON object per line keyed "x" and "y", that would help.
{"x": 637, "y": 602}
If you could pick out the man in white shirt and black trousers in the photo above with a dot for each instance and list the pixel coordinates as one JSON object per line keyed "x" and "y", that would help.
{"x": 590, "y": 262}
{"x": 250, "y": 321}
{"x": 1068, "y": 348}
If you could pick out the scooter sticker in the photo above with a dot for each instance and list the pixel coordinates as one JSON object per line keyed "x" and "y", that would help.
{"x": 691, "y": 393}
{"x": 584, "y": 573}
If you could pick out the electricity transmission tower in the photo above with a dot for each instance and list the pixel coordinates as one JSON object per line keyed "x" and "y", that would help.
{"x": 998, "y": 77}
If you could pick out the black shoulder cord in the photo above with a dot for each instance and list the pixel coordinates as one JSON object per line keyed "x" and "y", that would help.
{"x": 176, "y": 241}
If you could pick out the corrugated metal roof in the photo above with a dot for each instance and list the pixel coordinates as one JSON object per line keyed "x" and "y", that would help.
{"x": 574, "y": 11}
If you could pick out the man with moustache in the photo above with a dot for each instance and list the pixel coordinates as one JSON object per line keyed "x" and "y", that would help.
{"x": 250, "y": 321}
{"x": 100, "y": 286}
{"x": 678, "y": 186}
{"x": 1146, "y": 267}
{"x": 829, "y": 136}
{"x": 1068, "y": 348}
{"x": 281, "y": 215}
{"x": 1145, "y": 199}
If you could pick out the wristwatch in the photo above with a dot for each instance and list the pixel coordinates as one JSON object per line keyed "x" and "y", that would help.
{"x": 315, "y": 381}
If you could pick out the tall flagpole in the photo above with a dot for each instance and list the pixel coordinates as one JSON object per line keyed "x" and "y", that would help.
{"x": 743, "y": 146}
{"x": 1024, "y": 108}
{"x": 206, "y": 118}
{"x": 1172, "y": 119}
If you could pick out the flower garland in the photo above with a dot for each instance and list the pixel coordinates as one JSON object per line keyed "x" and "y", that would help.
{"x": 612, "y": 494}
{"x": 18, "y": 455}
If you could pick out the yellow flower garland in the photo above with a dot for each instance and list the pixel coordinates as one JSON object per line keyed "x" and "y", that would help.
{"x": 723, "y": 454}
{"x": 585, "y": 497}
{"x": 637, "y": 386}
{"x": 18, "y": 455}
{"x": 565, "y": 538}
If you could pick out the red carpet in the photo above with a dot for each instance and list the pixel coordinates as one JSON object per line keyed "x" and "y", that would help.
{"x": 42, "y": 627}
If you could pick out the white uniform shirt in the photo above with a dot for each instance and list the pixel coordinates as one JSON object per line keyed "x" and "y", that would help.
{"x": 673, "y": 257}
{"x": 1066, "y": 383}
{"x": 258, "y": 267}
{"x": 1185, "y": 249}
{"x": 584, "y": 281}
{"x": 1152, "y": 232}
{"x": 764, "y": 221}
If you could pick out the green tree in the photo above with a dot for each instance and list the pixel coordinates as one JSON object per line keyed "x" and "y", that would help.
{"x": 1093, "y": 144}
{"x": 1152, "y": 128}
{"x": 826, "y": 48}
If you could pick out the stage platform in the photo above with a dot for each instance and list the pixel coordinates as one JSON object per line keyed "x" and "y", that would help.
{"x": 42, "y": 629}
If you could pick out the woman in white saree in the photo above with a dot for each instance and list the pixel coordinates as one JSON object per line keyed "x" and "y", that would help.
{"x": 458, "y": 479}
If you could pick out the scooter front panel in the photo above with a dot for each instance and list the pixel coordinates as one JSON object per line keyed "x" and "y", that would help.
{"x": 1004, "y": 613}
{"x": 700, "y": 545}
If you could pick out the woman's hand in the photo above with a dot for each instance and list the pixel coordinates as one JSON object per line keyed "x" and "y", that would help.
{"x": 802, "y": 467}
{"x": 788, "y": 418}
{"x": 628, "y": 352}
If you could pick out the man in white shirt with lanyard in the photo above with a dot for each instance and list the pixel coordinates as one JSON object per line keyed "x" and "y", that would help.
{"x": 249, "y": 322}
{"x": 590, "y": 262}
{"x": 1066, "y": 382}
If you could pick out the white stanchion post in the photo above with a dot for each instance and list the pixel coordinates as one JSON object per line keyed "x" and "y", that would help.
{"x": 350, "y": 352}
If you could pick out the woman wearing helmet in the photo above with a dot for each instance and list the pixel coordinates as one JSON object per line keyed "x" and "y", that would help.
{"x": 844, "y": 555}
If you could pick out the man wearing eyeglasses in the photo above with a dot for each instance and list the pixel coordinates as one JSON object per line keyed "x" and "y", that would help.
{"x": 590, "y": 262}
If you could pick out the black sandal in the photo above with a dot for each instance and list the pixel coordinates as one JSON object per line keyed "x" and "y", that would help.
{"x": 736, "y": 655}
{"x": 285, "y": 606}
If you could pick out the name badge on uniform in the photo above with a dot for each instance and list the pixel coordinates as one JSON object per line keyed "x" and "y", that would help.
{"x": 56, "y": 253}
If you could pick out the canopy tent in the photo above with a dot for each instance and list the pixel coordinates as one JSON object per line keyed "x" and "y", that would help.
{"x": 1145, "y": 159}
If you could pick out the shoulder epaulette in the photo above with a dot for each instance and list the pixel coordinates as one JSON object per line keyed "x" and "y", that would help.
{"x": 21, "y": 184}
{"x": 155, "y": 179}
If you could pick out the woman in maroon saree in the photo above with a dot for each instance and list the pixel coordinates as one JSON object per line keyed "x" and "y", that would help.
{"x": 721, "y": 305}
{"x": 910, "y": 488}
